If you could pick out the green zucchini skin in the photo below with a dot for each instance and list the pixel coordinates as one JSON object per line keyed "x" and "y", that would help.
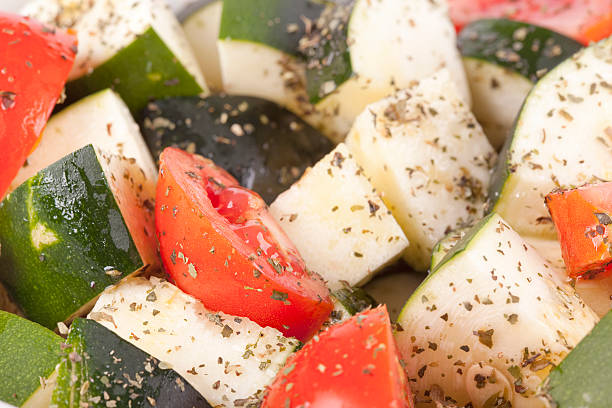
{"x": 527, "y": 49}
{"x": 279, "y": 147}
{"x": 328, "y": 57}
{"x": 582, "y": 380}
{"x": 115, "y": 370}
{"x": 61, "y": 234}
{"x": 29, "y": 352}
{"x": 354, "y": 300}
{"x": 144, "y": 70}
{"x": 276, "y": 23}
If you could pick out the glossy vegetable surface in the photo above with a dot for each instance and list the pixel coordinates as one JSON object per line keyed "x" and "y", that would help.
{"x": 34, "y": 65}
{"x": 354, "y": 364}
{"x": 219, "y": 244}
{"x": 582, "y": 217}
{"x": 264, "y": 146}
{"x": 583, "y": 20}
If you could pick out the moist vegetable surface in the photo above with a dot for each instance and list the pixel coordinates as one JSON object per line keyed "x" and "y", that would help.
{"x": 306, "y": 204}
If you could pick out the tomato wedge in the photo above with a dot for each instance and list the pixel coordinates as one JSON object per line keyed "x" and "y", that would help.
{"x": 583, "y": 20}
{"x": 583, "y": 219}
{"x": 354, "y": 364}
{"x": 34, "y": 64}
{"x": 219, "y": 244}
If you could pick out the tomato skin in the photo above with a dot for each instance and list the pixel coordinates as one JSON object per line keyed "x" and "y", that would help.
{"x": 34, "y": 64}
{"x": 208, "y": 256}
{"x": 582, "y": 217}
{"x": 582, "y": 20}
{"x": 353, "y": 364}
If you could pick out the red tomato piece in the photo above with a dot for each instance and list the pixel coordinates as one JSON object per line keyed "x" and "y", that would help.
{"x": 354, "y": 364}
{"x": 219, "y": 244}
{"x": 34, "y": 64}
{"x": 583, "y": 20}
{"x": 583, "y": 219}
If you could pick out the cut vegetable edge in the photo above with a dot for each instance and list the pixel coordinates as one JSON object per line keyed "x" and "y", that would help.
{"x": 537, "y": 155}
{"x": 37, "y": 233}
{"x": 98, "y": 357}
{"x": 143, "y": 312}
{"x": 30, "y": 356}
{"x": 202, "y": 30}
{"x": 553, "y": 315}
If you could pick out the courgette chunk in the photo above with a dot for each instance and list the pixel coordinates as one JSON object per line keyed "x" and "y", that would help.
{"x": 67, "y": 233}
{"x": 136, "y": 47}
{"x": 30, "y": 354}
{"x": 338, "y": 223}
{"x": 502, "y": 60}
{"x": 490, "y": 321}
{"x": 265, "y": 147}
{"x": 428, "y": 157}
{"x": 99, "y": 369}
{"x": 228, "y": 359}
{"x": 561, "y": 139}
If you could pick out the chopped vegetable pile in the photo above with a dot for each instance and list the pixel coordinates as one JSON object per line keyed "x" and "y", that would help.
{"x": 227, "y": 204}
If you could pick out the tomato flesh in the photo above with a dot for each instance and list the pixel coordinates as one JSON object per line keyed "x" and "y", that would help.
{"x": 354, "y": 364}
{"x": 219, "y": 243}
{"x": 34, "y": 65}
{"x": 583, "y": 219}
{"x": 582, "y": 20}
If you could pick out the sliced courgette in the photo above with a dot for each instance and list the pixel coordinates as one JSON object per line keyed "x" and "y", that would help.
{"x": 202, "y": 31}
{"x": 562, "y": 137}
{"x": 360, "y": 54}
{"x": 99, "y": 369}
{"x": 582, "y": 380}
{"x": 67, "y": 233}
{"x": 101, "y": 119}
{"x": 265, "y": 35}
{"x": 339, "y": 56}
{"x": 338, "y": 222}
{"x": 29, "y": 356}
{"x": 490, "y": 321}
{"x": 503, "y": 59}
{"x": 135, "y": 47}
{"x": 427, "y": 155}
{"x": 230, "y": 360}
{"x": 264, "y": 146}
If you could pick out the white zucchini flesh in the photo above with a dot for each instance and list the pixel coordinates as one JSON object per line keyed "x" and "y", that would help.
{"x": 427, "y": 155}
{"x": 338, "y": 222}
{"x": 563, "y": 137}
{"x": 41, "y": 398}
{"x": 225, "y": 358}
{"x": 596, "y": 293}
{"x": 202, "y": 31}
{"x": 102, "y": 119}
{"x": 497, "y": 95}
{"x": 386, "y": 55}
{"x": 255, "y": 69}
{"x": 106, "y": 26}
{"x": 398, "y": 41}
{"x": 463, "y": 320}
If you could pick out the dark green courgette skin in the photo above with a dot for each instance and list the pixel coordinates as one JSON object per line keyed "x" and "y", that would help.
{"x": 529, "y": 50}
{"x": 115, "y": 370}
{"x": 29, "y": 352}
{"x": 279, "y": 147}
{"x": 144, "y": 70}
{"x": 278, "y": 24}
{"x": 354, "y": 300}
{"x": 72, "y": 200}
{"x": 582, "y": 380}
{"x": 327, "y": 55}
